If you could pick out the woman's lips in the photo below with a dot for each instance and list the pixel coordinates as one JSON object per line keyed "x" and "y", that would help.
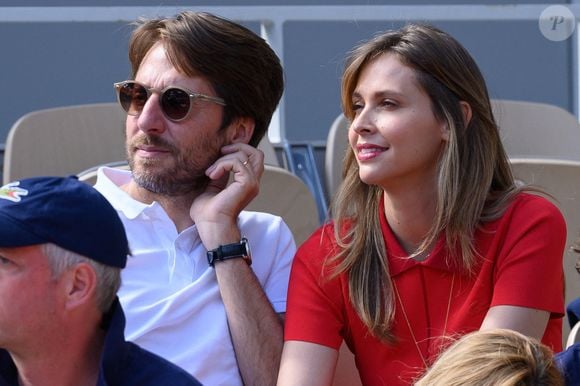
{"x": 366, "y": 152}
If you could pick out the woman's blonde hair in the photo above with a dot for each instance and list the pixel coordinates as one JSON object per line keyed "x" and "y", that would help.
{"x": 494, "y": 358}
{"x": 475, "y": 182}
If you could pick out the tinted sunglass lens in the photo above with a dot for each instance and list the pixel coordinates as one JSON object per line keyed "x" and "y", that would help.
{"x": 175, "y": 103}
{"x": 132, "y": 97}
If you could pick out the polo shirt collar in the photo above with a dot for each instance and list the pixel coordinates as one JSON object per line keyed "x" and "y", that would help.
{"x": 109, "y": 182}
{"x": 399, "y": 260}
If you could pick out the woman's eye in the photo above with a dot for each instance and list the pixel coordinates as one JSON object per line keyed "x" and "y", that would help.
{"x": 388, "y": 103}
{"x": 357, "y": 107}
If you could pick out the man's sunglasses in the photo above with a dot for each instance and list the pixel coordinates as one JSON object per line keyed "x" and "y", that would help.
{"x": 175, "y": 102}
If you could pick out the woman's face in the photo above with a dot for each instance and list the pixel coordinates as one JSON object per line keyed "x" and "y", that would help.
{"x": 395, "y": 136}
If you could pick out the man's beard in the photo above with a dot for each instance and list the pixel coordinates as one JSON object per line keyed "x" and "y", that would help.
{"x": 186, "y": 176}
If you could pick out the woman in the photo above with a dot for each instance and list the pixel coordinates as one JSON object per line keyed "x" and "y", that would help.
{"x": 431, "y": 236}
{"x": 494, "y": 358}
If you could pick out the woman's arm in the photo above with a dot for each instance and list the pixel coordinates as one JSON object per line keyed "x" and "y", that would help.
{"x": 305, "y": 363}
{"x": 528, "y": 283}
{"x": 528, "y": 321}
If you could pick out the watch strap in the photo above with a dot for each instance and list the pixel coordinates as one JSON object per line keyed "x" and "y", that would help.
{"x": 230, "y": 251}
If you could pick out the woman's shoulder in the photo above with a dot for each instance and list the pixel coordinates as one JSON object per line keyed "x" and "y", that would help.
{"x": 534, "y": 206}
{"x": 322, "y": 237}
{"x": 320, "y": 246}
{"x": 528, "y": 213}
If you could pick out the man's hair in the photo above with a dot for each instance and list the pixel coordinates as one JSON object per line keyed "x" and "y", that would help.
{"x": 108, "y": 278}
{"x": 240, "y": 66}
{"x": 495, "y": 357}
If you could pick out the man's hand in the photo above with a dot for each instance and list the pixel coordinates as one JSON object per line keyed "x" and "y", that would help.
{"x": 215, "y": 211}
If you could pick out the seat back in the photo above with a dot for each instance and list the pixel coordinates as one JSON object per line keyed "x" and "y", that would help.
{"x": 573, "y": 336}
{"x": 336, "y": 146}
{"x": 537, "y": 130}
{"x": 64, "y": 140}
{"x": 561, "y": 179}
{"x": 285, "y": 195}
{"x": 67, "y": 140}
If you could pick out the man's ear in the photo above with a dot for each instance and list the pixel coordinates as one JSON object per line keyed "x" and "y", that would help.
{"x": 80, "y": 285}
{"x": 241, "y": 130}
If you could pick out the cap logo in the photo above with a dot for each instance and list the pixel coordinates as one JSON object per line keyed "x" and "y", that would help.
{"x": 12, "y": 192}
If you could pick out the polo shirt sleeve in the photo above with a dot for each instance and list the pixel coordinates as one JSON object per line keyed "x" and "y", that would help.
{"x": 315, "y": 303}
{"x": 529, "y": 269}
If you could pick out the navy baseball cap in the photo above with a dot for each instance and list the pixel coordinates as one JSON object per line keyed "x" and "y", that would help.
{"x": 65, "y": 212}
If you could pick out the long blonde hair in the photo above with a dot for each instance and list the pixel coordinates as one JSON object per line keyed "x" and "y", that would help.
{"x": 475, "y": 182}
{"x": 494, "y": 358}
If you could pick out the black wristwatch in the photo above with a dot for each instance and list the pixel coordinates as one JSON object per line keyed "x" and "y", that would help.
{"x": 230, "y": 251}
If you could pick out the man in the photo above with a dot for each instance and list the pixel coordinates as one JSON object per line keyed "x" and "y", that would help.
{"x": 62, "y": 247}
{"x": 203, "y": 94}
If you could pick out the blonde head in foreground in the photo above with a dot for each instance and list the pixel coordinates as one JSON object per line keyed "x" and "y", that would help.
{"x": 495, "y": 357}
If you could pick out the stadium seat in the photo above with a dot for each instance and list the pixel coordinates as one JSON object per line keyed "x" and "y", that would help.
{"x": 537, "y": 130}
{"x": 336, "y": 146}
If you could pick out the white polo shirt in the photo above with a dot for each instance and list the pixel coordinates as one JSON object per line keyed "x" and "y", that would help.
{"x": 169, "y": 293}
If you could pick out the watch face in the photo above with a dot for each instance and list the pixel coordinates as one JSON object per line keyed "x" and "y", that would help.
{"x": 248, "y": 252}
{"x": 246, "y": 245}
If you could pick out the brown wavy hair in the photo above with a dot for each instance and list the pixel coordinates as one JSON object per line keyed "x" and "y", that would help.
{"x": 475, "y": 182}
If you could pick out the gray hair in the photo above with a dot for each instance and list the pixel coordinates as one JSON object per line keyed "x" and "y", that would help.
{"x": 108, "y": 278}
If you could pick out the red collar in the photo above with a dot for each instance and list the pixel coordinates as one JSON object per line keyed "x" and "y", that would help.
{"x": 399, "y": 260}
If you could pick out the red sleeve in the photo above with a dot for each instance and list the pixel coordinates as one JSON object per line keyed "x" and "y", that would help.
{"x": 315, "y": 309}
{"x": 529, "y": 270}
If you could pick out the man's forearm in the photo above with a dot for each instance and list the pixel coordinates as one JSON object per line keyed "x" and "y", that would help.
{"x": 255, "y": 328}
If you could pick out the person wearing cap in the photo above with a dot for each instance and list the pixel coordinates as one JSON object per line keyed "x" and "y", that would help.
{"x": 62, "y": 247}
{"x": 569, "y": 359}
{"x": 202, "y": 93}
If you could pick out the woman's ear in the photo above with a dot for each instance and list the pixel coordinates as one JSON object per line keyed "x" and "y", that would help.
{"x": 445, "y": 132}
{"x": 241, "y": 130}
{"x": 466, "y": 110}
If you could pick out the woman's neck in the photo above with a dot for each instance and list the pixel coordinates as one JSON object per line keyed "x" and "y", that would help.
{"x": 410, "y": 215}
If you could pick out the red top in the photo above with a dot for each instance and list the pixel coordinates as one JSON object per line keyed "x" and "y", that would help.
{"x": 521, "y": 266}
